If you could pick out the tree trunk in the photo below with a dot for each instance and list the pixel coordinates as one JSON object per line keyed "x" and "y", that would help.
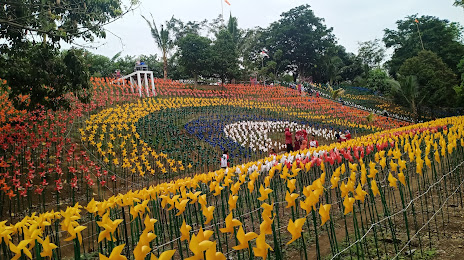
{"x": 414, "y": 111}
{"x": 165, "y": 65}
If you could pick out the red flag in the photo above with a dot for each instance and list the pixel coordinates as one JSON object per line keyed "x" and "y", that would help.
{"x": 227, "y": 2}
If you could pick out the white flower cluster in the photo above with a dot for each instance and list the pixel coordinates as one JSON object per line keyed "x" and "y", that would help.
{"x": 257, "y": 134}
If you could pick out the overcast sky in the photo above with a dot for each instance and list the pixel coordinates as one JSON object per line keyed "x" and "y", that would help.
{"x": 352, "y": 20}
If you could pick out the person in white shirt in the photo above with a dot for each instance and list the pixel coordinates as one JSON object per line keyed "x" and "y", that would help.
{"x": 225, "y": 160}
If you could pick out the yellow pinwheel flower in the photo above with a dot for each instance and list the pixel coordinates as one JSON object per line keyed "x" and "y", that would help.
{"x": 392, "y": 181}
{"x": 21, "y": 248}
{"x": 324, "y": 211}
{"x": 180, "y": 206}
{"x": 166, "y": 255}
{"x": 264, "y": 193}
{"x": 185, "y": 231}
{"x": 208, "y": 213}
{"x": 266, "y": 226}
{"x": 244, "y": 238}
{"x": 230, "y": 224}
{"x": 374, "y": 188}
{"x": 291, "y": 185}
{"x": 115, "y": 254}
{"x": 47, "y": 248}
{"x": 290, "y": 199}
{"x": 109, "y": 227}
{"x": 360, "y": 193}
{"x": 348, "y": 204}
{"x": 262, "y": 247}
{"x": 295, "y": 228}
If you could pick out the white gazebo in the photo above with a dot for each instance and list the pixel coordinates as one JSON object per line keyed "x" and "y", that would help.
{"x": 140, "y": 75}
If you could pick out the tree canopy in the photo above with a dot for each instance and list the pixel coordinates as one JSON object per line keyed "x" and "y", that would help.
{"x": 435, "y": 78}
{"x": 304, "y": 40}
{"x": 31, "y": 32}
{"x": 195, "y": 55}
{"x": 439, "y": 36}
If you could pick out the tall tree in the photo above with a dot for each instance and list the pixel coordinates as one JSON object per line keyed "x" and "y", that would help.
{"x": 459, "y": 3}
{"x": 371, "y": 54}
{"x": 224, "y": 56}
{"x": 304, "y": 39}
{"x": 439, "y": 36}
{"x": 195, "y": 55}
{"x": 434, "y": 77}
{"x": 163, "y": 40}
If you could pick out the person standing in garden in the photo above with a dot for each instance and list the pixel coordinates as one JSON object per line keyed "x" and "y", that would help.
{"x": 225, "y": 160}
{"x": 347, "y": 135}
{"x": 313, "y": 143}
{"x": 304, "y": 145}
{"x": 288, "y": 140}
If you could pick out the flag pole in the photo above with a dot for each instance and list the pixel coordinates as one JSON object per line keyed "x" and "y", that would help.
{"x": 420, "y": 36}
{"x": 222, "y": 8}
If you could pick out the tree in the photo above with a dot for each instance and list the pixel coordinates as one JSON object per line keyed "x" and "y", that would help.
{"x": 46, "y": 75}
{"x": 304, "y": 40}
{"x": 459, "y": 3}
{"x": 371, "y": 53}
{"x": 180, "y": 29}
{"x": 224, "y": 56}
{"x": 461, "y": 69}
{"x": 439, "y": 36}
{"x": 407, "y": 92}
{"x": 30, "y": 36}
{"x": 163, "y": 41}
{"x": 195, "y": 55}
{"x": 57, "y": 20}
{"x": 378, "y": 80}
{"x": 434, "y": 77}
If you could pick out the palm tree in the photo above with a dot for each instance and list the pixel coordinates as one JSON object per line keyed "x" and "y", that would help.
{"x": 335, "y": 93}
{"x": 163, "y": 40}
{"x": 408, "y": 89}
{"x": 370, "y": 117}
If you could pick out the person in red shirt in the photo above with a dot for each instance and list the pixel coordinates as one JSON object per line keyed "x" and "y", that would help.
{"x": 347, "y": 135}
{"x": 273, "y": 152}
{"x": 288, "y": 140}
{"x": 313, "y": 143}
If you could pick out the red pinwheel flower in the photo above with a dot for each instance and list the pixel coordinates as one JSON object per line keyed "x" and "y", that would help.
{"x": 11, "y": 194}
{"x": 38, "y": 190}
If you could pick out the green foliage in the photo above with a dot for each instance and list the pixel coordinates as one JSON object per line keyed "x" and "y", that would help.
{"x": 378, "y": 80}
{"x": 63, "y": 20}
{"x": 304, "y": 40}
{"x": 407, "y": 92}
{"x": 195, "y": 55}
{"x": 461, "y": 69}
{"x": 434, "y": 77}
{"x": 439, "y": 36}
{"x": 46, "y": 75}
{"x": 459, "y": 3}
{"x": 371, "y": 54}
{"x": 39, "y": 69}
{"x": 224, "y": 59}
